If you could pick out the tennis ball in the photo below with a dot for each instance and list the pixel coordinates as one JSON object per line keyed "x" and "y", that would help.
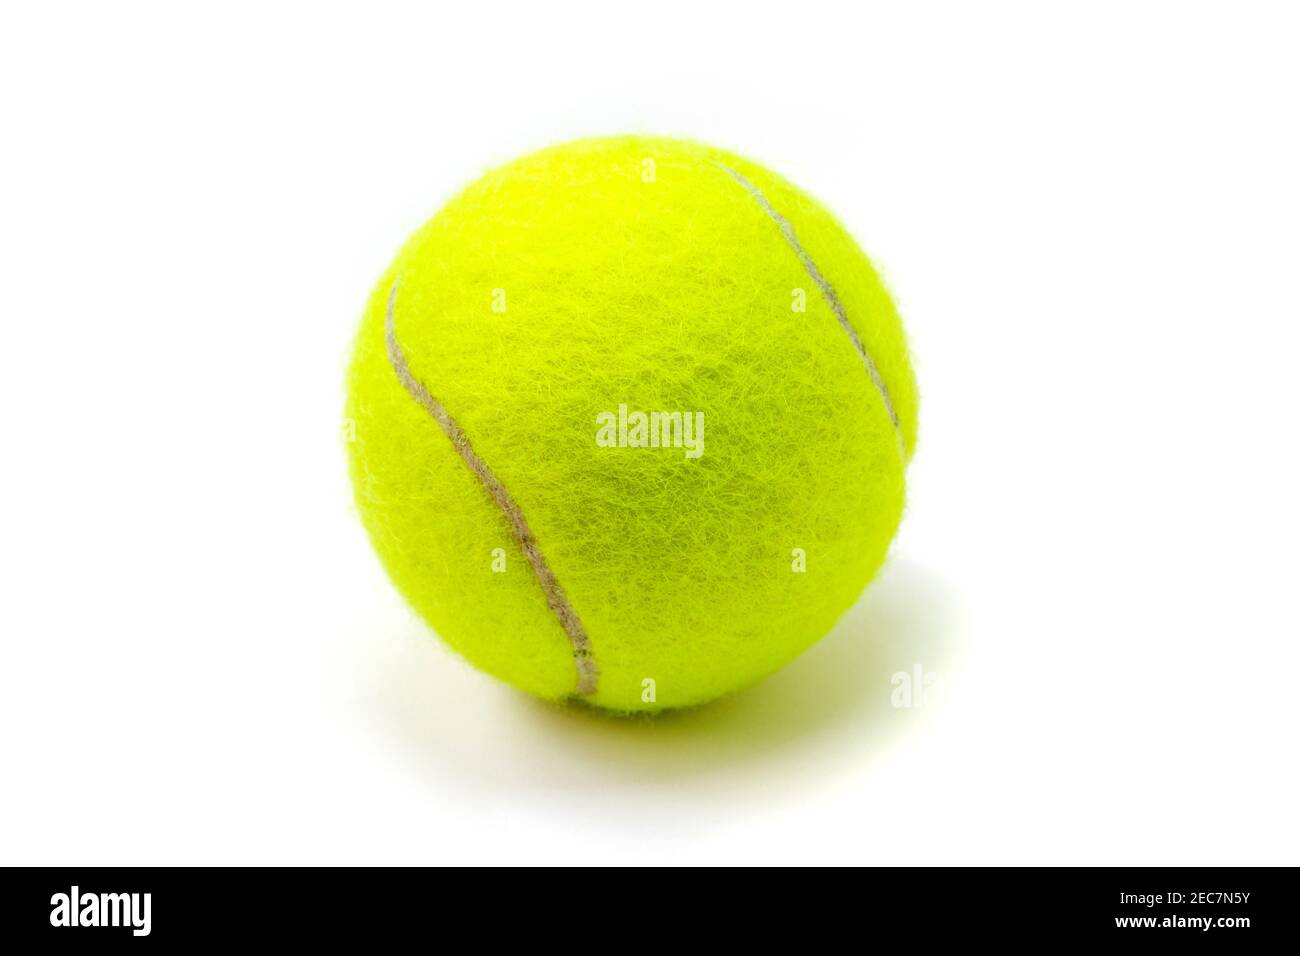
{"x": 630, "y": 421}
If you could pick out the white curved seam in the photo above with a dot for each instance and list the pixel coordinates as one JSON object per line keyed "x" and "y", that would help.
{"x": 556, "y": 599}
{"x": 827, "y": 290}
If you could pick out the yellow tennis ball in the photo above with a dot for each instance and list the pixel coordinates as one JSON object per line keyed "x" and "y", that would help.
{"x": 631, "y": 420}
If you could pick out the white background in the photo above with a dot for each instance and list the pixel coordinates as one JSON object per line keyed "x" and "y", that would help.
{"x": 1090, "y": 215}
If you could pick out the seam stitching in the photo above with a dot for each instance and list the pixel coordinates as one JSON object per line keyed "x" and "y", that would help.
{"x": 556, "y": 599}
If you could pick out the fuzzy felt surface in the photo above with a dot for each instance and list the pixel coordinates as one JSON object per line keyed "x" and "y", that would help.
{"x": 631, "y": 271}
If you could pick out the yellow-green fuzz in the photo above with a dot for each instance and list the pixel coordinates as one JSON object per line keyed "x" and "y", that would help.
{"x": 663, "y": 276}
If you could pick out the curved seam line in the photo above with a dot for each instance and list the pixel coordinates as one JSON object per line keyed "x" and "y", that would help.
{"x": 827, "y": 290}
{"x": 556, "y": 599}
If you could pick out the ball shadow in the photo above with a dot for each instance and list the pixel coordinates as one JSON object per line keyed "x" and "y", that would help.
{"x": 830, "y": 708}
{"x": 837, "y": 694}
